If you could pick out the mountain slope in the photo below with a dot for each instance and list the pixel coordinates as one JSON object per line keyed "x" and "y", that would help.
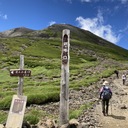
{"x": 91, "y": 59}
{"x": 16, "y": 32}
{"x": 80, "y": 38}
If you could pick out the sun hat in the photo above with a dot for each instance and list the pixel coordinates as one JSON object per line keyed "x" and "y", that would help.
{"x": 105, "y": 83}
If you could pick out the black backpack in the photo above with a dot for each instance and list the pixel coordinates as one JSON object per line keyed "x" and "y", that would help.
{"x": 106, "y": 94}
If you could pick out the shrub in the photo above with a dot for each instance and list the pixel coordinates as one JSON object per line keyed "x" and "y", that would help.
{"x": 76, "y": 113}
{"x": 43, "y": 98}
{"x": 5, "y": 103}
{"x": 3, "y": 117}
{"x": 33, "y": 116}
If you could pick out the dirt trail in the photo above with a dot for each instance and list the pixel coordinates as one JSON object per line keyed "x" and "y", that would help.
{"x": 118, "y": 108}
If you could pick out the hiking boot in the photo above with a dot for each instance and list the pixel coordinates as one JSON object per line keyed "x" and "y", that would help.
{"x": 103, "y": 113}
{"x": 106, "y": 114}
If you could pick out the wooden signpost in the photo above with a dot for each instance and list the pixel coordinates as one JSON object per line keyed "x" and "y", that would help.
{"x": 64, "y": 92}
{"x": 18, "y": 105}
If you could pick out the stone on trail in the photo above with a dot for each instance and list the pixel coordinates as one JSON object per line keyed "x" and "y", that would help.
{"x": 1, "y": 126}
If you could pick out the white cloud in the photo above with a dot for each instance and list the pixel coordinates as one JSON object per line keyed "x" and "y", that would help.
{"x": 124, "y": 30}
{"x": 89, "y": 0}
{"x": 70, "y": 1}
{"x": 3, "y": 16}
{"x": 123, "y": 1}
{"x": 52, "y": 22}
{"x": 96, "y": 26}
{"x": 85, "y": 0}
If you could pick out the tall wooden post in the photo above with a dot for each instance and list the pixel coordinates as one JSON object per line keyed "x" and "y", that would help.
{"x": 20, "y": 83}
{"x": 64, "y": 92}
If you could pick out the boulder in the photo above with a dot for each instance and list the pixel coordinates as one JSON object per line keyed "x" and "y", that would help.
{"x": 1, "y": 126}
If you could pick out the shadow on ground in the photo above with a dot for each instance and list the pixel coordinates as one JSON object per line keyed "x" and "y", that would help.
{"x": 118, "y": 117}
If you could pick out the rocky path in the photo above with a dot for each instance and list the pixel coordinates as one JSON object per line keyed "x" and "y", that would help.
{"x": 118, "y": 109}
{"x": 93, "y": 117}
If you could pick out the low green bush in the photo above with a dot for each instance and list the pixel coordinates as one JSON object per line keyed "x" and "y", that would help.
{"x": 5, "y": 103}
{"x": 33, "y": 116}
{"x": 3, "y": 117}
{"x": 42, "y": 98}
{"x": 76, "y": 113}
{"x": 32, "y": 119}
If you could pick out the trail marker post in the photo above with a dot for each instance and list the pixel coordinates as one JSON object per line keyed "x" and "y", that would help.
{"x": 64, "y": 92}
{"x": 18, "y": 105}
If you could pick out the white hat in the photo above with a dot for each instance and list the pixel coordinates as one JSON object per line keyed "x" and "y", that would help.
{"x": 105, "y": 83}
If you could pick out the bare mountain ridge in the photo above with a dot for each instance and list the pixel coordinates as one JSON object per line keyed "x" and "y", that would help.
{"x": 16, "y": 32}
{"x": 52, "y": 31}
{"x": 55, "y": 31}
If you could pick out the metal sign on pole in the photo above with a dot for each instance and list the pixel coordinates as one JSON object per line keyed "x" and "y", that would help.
{"x": 18, "y": 105}
{"x": 64, "y": 92}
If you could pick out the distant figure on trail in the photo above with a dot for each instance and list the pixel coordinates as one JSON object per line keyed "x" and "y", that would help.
{"x": 117, "y": 73}
{"x": 105, "y": 95}
{"x": 124, "y": 78}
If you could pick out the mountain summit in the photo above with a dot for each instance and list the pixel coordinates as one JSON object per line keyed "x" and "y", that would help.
{"x": 55, "y": 31}
{"x": 16, "y": 32}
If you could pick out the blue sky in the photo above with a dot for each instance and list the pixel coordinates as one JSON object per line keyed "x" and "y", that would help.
{"x": 105, "y": 18}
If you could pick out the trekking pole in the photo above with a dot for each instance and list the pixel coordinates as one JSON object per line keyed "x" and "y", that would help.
{"x": 111, "y": 106}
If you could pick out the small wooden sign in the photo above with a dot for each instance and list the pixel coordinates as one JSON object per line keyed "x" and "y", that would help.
{"x": 16, "y": 113}
{"x": 20, "y": 73}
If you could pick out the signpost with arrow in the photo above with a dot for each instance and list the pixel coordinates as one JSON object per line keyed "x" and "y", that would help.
{"x": 18, "y": 105}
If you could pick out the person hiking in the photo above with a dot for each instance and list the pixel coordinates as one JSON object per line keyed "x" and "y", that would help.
{"x": 105, "y": 95}
{"x": 124, "y": 78}
{"x": 117, "y": 73}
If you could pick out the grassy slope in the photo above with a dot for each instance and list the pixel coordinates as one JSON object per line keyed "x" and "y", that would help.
{"x": 43, "y": 55}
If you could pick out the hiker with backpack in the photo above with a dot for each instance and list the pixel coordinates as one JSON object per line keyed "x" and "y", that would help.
{"x": 105, "y": 95}
{"x": 124, "y": 78}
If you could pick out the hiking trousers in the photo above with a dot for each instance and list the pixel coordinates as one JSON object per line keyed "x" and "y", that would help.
{"x": 124, "y": 81}
{"x": 105, "y": 105}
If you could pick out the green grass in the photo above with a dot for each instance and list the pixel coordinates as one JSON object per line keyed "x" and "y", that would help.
{"x": 33, "y": 116}
{"x": 43, "y": 58}
{"x": 42, "y": 49}
{"x": 3, "y": 117}
{"x": 76, "y": 113}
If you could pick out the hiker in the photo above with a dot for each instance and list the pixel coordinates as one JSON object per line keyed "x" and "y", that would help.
{"x": 124, "y": 78}
{"x": 117, "y": 73}
{"x": 105, "y": 95}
